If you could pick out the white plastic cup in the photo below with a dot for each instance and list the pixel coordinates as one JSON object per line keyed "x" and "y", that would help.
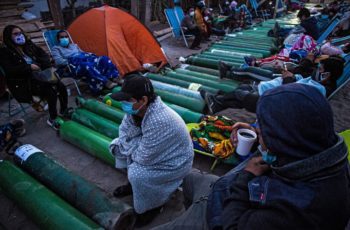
{"x": 246, "y": 139}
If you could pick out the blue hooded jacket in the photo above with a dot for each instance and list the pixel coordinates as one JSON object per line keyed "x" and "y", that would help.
{"x": 309, "y": 184}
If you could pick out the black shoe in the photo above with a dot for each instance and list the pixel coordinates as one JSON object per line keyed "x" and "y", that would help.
{"x": 223, "y": 68}
{"x": 53, "y": 124}
{"x": 211, "y": 103}
{"x": 202, "y": 92}
{"x": 276, "y": 29}
{"x": 146, "y": 217}
{"x": 124, "y": 190}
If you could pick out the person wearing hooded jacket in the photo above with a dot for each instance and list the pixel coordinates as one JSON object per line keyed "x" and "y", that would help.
{"x": 299, "y": 180}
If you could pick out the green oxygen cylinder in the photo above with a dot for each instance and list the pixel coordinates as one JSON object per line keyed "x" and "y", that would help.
{"x": 201, "y": 70}
{"x": 95, "y": 122}
{"x": 208, "y": 63}
{"x": 183, "y": 101}
{"x": 101, "y": 109}
{"x": 180, "y": 83}
{"x": 211, "y": 83}
{"x": 44, "y": 207}
{"x": 88, "y": 140}
{"x": 83, "y": 195}
{"x": 187, "y": 115}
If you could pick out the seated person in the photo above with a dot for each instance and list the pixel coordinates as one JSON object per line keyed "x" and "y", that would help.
{"x": 190, "y": 28}
{"x": 299, "y": 180}
{"x": 26, "y": 65}
{"x": 154, "y": 147}
{"x": 309, "y": 23}
{"x": 324, "y": 19}
{"x": 247, "y": 95}
{"x": 208, "y": 20}
{"x": 9, "y": 133}
{"x": 99, "y": 71}
{"x": 226, "y": 9}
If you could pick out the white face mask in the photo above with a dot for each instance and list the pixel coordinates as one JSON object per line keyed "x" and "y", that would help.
{"x": 192, "y": 13}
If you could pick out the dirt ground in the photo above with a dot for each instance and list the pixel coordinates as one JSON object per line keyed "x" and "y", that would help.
{"x": 42, "y": 136}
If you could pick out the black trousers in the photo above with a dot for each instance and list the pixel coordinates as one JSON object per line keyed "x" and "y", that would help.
{"x": 245, "y": 96}
{"x": 197, "y": 36}
{"x": 50, "y": 92}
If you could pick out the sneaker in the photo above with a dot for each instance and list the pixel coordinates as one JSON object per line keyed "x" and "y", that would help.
{"x": 52, "y": 123}
{"x": 122, "y": 191}
{"x": 203, "y": 93}
{"x": 223, "y": 68}
{"x": 210, "y": 101}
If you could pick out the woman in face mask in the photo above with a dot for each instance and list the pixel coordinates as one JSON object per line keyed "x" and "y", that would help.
{"x": 100, "y": 72}
{"x": 26, "y": 67}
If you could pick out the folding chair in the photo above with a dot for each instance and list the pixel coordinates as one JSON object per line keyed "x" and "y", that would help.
{"x": 329, "y": 29}
{"x": 11, "y": 110}
{"x": 341, "y": 40}
{"x": 50, "y": 37}
{"x": 255, "y": 6}
{"x": 174, "y": 17}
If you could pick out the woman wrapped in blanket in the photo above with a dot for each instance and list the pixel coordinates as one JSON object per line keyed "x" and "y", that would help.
{"x": 100, "y": 72}
{"x": 247, "y": 95}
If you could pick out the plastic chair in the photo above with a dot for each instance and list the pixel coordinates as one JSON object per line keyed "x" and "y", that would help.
{"x": 174, "y": 17}
{"x": 50, "y": 37}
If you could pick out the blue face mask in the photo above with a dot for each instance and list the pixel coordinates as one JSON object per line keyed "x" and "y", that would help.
{"x": 64, "y": 42}
{"x": 127, "y": 107}
{"x": 266, "y": 156}
{"x": 20, "y": 39}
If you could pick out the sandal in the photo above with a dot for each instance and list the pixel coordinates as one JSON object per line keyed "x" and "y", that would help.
{"x": 37, "y": 107}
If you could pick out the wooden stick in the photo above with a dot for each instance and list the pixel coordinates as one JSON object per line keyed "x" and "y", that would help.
{"x": 161, "y": 32}
{"x": 164, "y": 37}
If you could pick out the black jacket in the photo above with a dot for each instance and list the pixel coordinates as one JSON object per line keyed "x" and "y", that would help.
{"x": 18, "y": 72}
{"x": 280, "y": 200}
{"x": 311, "y": 27}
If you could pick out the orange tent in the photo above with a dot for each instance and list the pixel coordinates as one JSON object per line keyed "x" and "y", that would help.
{"x": 114, "y": 33}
